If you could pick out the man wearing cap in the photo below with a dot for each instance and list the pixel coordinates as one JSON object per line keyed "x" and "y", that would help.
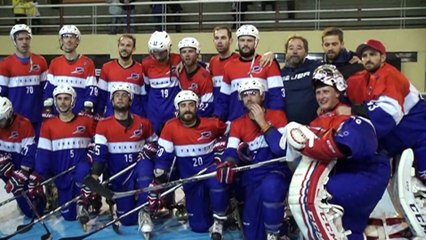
{"x": 394, "y": 106}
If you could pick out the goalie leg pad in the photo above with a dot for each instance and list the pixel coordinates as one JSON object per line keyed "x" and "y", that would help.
{"x": 308, "y": 201}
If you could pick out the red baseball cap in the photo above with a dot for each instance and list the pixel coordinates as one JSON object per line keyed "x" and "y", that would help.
{"x": 372, "y": 43}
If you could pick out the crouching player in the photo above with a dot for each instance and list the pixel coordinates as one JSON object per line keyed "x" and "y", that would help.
{"x": 191, "y": 139}
{"x": 63, "y": 143}
{"x": 264, "y": 188}
{"x": 338, "y": 208}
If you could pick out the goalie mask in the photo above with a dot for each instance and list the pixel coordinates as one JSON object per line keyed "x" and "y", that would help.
{"x": 328, "y": 74}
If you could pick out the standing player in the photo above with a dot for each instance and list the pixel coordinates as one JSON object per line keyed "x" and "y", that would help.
{"x": 193, "y": 151}
{"x": 122, "y": 70}
{"x": 22, "y": 77}
{"x": 264, "y": 188}
{"x": 194, "y": 77}
{"x": 63, "y": 143}
{"x": 73, "y": 69}
{"x": 161, "y": 80}
{"x": 359, "y": 177}
{"x": 228, "y": 106}
{"x": 17, "y": 151}
{"x": 119, "y": 139}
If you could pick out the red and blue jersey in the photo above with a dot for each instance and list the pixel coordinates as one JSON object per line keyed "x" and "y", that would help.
{"x": 262, "y": 146}
{"x": 162, "y": 86}
{"x": 113, "y": 73}
{"x": 23, "y": 84}
{"x": 216, "y": 67}
{"x": 228, "y": 106}
{"x": 192, "y": 147}
{"x": 200, "y": 82}
{"x": 62, "y": 145}
{"x": 18, "y": 140}
{"x": 118, "y": 146}
{"x": 80, "y": 74}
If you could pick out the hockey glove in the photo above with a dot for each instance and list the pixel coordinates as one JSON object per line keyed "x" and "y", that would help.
{"x": 324, "y": 148}
{"x": 17, "y": 182}
{"x": 298, "y": 135}
{"x": 155, "y": 202}
{"x": 6, "y": 165}
{"x": 89, "y": 199}
{"x": 224, "y": 172}
{"x": 149, "y": 151}
{"x": 35, "y": 190}
{"x": 47, "y": 109}
{"x": 244, "y": 153}
{"x": 90, "y": 152}
{"x": 219, "y": 148}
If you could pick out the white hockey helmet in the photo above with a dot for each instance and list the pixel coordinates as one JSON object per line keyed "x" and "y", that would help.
{"x": 6, "y": 108}
{"x": 159, "y": 41}
{"x": 250, "y": 84}
{"x": 189, "y": 42}
{"x": 64, "y": 89}
{"x": 20, "y": 28}
{"x": 70, "y": 29}
{"x": 186, "y": 95}
{"x": 248, "y": 30}
{"x": 328, "y": 74}
{"x": 122, "y": 87}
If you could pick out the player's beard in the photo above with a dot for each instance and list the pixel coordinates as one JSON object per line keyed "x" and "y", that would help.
{"x": 122, "y": 108}
{"x": 188, "y": 117}
{"x": 332, "y": 55}
{"x": 223, "y": 48}
{"x": 293, "y": 61}
{"x": 248, "y": 54}
{"x": 371, "y": 67}
{"x": 125, "y": 56}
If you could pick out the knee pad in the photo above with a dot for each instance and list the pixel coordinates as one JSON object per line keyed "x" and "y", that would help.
{"x": 308, "y": 201}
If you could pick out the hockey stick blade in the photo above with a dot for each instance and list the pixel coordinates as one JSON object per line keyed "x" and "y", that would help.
{"x": 97, "y": 187}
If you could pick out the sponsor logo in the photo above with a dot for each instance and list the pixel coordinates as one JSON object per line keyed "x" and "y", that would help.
{"x": 296, "y": 76}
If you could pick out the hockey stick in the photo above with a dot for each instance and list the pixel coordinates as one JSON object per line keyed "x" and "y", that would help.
{"x": 129, "y": 212}
{"x": 41, "y": 184}
{"x": 26, "y": 227}
{"x": 103, "y": 191}
{"x": 47, "y": 235}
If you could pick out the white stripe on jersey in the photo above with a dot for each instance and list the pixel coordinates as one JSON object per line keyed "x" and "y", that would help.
{"x": 4, "y": 81}
{"x": 194, "y": 150}
{"x": 75, "y": 82}
{"x": 14, "y": 147}
{"x": 411, "y": 99}
{"x": 125, "y": 147}
{"x": 100, "y": 139}
{"x": 275, "y": 82}
{"x": 102, "y": 84}
{"x": 70, "y": 143}
{"x": 235, "y": 84}
{"x": 167, "y": 145}
{"x": 208, "y": 97}
{"x": 217, "y": 80}
{"x": 164, "y": 82}
{"x": 225, "y": 88}
{"x": 390, "y": 106}
{"x": 22, "y": 81}
{"x": 255, "y": 144}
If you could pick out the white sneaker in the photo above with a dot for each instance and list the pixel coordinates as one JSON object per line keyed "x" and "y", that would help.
{"x": 272, "y": 236}
{"x": 145, "y": 222}
{"x": 217, "y": 230}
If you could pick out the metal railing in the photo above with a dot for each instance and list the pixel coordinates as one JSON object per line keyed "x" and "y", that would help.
{"x": 202, "y": 15}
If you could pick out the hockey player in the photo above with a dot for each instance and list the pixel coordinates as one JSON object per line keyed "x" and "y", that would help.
{"x": 194, "y": 77}
{"x": 122, "y": 70}
{"x": 17, "y": 151}
{"x": 119, "y": 139}
{"x": 73, "y": 69}
{"x": 264, "y": 188}
{"x": 360, "y": 175}
{"x": 63, "y": 143}
{"x": 206, "y": 201}
{"x": 222, "y": 39}
{"x": 228, "y": 107}
{"x": 22, "y": 77}
{"x": 161, "y": 81}
{"x": 301, "y": 105}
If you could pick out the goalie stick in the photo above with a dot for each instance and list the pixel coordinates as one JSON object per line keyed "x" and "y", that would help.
{"x": 103, "y": 191}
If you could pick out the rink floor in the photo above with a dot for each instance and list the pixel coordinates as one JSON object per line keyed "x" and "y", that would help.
{"x": 169, "y": 229}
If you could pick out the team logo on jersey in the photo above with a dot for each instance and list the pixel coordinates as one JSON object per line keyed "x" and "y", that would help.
{"x": 256, "y": 69}
{"x": 134, "y": 76}
{"x": 136, "y": 133}
{"x": 193, "y": 87}
{"x": 14, "y": 135}
{"x": 79, "y": 129}
{"x": 205, "y": 135}
{"x": 172, "y": 70}
{"x": 35, "y": 68}
{"x": 78, "y": 70}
